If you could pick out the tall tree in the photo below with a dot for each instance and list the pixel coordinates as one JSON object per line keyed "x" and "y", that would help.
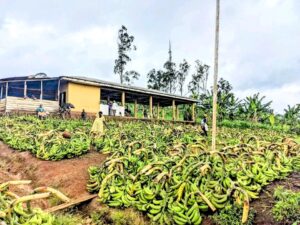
{"x": 155, "y": 80}
{"x": 125, "y": 45}
{"x": 169, "y": 76}
{"x": 182, "y": 74}
{"x": 199, "y": 79}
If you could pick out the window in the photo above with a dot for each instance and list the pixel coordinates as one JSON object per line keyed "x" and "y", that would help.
{"x": 33, "y": 89}
{"x": 16, "y": 89}
{"x": 2, "y": 90}
{"x": 50, "y": 90}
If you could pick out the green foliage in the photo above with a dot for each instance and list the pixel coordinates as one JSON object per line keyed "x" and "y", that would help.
{"x": 272, "y": 119}
{"x": 255, "y": 109}
{"x": 67, "y": 219}
{"x": 199, "y": 79}
{"x": 182, "y": 74}
{"x": 287, "y": 207}
{"x": 116, "y": 217}
{"x": 244, "y": 124}
{"x": 232, "y": 215}
{"x": 44, "y": 138}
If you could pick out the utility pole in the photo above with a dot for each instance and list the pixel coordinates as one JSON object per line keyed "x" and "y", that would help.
{"x": 214, "y": 116}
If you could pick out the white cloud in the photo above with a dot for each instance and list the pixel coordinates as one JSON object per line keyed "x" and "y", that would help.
{"x": 259, "y": 40}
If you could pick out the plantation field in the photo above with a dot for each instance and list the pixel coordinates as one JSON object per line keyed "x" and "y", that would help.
{"x": 165, "y": 171}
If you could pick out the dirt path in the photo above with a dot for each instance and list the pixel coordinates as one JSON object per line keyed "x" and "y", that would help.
{"x": 263, "y": 205}
{"x": 69, "y": 176}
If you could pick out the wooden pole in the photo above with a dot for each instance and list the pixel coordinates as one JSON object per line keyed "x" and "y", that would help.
{"x": 123, "y": 98}
{"x": 150, "y": 106}
{"x": 41, "y": 96}
{"x": 6, "y": 93}
{"x": 25, "y": 89}
{"x": 177, "y": 112}
{"x": 100, "y": 100}
{"x": 135, "y": 109}
{"x": 163, "y": 113}
{"x": 214, "y": 119}
{"x": 193, "y": 112}
{"x": 174, "y": 109}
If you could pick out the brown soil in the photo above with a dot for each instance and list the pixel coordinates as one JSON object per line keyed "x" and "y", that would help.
{"x": 263, "y": 205}
{"x": 68, "y": 176}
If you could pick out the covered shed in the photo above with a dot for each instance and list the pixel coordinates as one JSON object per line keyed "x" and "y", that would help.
{"x": 92, "y": 95}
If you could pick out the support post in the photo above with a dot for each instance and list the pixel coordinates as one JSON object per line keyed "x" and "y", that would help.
{"x": 174, "y": 109}
{"x": 6, "y": 92}
{"x": 100, "y": 99}
{"x": 150, "y": 106}
{"x": 25, "y": 89}
{"x": 193, "y": 112}
{"x": 177, "y": 112}
{"x": 163, "y": 113}
{"x": 135, "y": 109}
{"x": 1, "y": 92}
{"x": 58, "y": 91}
{"x": 41, "y": 96}
{"x": 123, "y": 98}
{"x": 158, "y": 111}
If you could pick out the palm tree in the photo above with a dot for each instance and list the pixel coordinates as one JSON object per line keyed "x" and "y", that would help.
{"x": 254, "y": 108}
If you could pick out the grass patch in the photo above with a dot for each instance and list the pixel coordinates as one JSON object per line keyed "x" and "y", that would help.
{"x": 232, "y": 215}
{"x": 105, "y": 216}
{"x": 287, "y": 206}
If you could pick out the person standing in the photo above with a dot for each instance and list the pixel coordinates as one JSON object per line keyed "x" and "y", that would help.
{"x": 98, "y": 125}
{"x": 83, "y": 115}
{"x": 204, "y": 125}
{"x": 109, "y": 108}
{"x": 114, "y": 108}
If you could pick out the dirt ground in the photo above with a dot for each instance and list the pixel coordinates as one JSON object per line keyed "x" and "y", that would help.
{"x": 70, "y": 177}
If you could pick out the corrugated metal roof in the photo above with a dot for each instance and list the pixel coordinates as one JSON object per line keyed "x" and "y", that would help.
{"x": 102, "y": 83}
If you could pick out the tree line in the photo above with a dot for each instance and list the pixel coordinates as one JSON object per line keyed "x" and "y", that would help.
{"x": 172, "y": 79}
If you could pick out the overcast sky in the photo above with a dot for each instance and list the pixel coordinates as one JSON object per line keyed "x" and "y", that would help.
{"x": 259, "y": 40}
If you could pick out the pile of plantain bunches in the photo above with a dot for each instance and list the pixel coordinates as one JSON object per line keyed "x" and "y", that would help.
{"x": 171, "y": 174}
{"x": 44, "y": 137}
{"x": 16, "y": 209}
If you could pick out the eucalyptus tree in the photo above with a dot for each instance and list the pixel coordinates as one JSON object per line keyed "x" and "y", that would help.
{"x": 198, "y": 84}
{"x": 182, "y": 74}
{"x": 155, "y": 80}
{"x": 125, "y": 45}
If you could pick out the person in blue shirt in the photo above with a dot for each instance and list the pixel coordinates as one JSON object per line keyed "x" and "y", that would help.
{"x": 40, "y": 111}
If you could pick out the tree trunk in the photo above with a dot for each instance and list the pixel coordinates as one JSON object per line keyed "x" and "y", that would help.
{"x": 121, "y": 77}
{"x": 214, "y": 119}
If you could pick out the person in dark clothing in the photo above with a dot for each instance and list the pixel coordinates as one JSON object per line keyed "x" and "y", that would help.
{"x": 110, "y": 108}
{"x": 204, "y": 125}
{"x": 83, "y": 115}
{"x": 145, "y": 113}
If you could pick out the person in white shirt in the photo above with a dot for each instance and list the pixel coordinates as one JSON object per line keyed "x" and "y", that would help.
{"x": 114, "y": 108}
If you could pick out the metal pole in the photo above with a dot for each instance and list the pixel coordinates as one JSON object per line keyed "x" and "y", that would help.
{"x": 214, "y": 116}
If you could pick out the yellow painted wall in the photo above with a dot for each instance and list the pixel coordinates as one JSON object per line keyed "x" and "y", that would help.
{"x": 83, "y": 97}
